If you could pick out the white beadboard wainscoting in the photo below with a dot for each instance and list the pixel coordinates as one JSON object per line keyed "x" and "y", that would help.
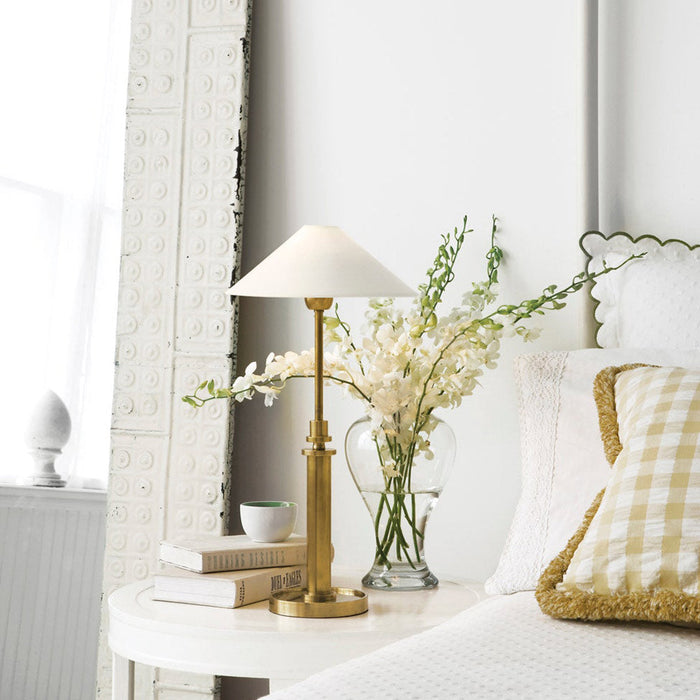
{"x": 51, "y": 552}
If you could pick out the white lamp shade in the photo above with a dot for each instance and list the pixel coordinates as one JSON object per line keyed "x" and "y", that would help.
{"x": 320, "y": 262}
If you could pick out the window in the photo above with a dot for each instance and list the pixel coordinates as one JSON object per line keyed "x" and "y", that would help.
{"x": 63, "y": 81}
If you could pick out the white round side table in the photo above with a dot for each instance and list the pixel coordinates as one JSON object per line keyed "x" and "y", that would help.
{"x": 255, "y": 643}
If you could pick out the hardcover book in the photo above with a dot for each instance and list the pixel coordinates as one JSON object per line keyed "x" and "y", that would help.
{"x": 226, "y": 589}
{"x": 232, "y": 553}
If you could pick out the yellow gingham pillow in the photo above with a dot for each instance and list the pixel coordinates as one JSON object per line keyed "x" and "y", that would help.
{"x": 636, "y": 555}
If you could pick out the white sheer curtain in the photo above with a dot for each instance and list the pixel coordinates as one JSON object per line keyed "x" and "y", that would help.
{"x": 63, "y": 84}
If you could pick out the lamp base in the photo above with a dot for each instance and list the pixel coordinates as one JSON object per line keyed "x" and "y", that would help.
{"x": 295, "y": 602}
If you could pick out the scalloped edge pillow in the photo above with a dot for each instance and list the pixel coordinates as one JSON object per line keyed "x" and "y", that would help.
{"x": 636, "y": 556}
{"x": 654, "y": 298}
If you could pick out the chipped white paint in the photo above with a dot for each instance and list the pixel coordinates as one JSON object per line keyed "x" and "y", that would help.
{"x": 182, "y": 215}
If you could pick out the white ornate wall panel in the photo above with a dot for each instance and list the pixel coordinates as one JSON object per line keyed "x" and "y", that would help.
{"x": 183, "y": 195}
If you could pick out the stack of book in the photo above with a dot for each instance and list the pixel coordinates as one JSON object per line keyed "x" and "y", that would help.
{"x": 228, "y": 571}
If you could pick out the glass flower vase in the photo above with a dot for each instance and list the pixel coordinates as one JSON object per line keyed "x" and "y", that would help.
{"x": 400, "y": 481}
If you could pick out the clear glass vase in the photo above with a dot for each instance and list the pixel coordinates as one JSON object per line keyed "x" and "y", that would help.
{"x": 400, "y": 482}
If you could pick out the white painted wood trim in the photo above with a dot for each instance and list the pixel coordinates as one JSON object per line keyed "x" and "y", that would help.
{"x": 588, "y": 142}
{"x": 588, "y": 66}
{"x": 122, "y": 678}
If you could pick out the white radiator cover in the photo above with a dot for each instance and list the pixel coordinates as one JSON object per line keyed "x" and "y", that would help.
{"x": 51, "y": 551}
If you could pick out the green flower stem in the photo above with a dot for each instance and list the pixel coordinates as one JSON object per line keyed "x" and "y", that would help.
{"x": 393, "y": 534}
{"x": 494, "y": 255}
{"x": 389, "y": 537}
{"x": 397, "y": 512}
{"x": 440, "y": 275}
{"x": 553, "y": 296}
{"x": 392, "y": 504}
{"x": 383, "y": 545}
{"x": 411, "y": 521}
{"x": 377, "y": 520}
{"x": 401, "y": 541}
{"x": 198, "y": 401}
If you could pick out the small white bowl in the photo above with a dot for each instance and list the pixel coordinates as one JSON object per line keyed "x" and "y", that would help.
{"x": 268, "y": 521}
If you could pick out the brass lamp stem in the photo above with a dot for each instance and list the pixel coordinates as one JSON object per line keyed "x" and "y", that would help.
{"x": 318, "y": 365}
{"x": 318, "y": 476}
{"x": 319, "y": 599}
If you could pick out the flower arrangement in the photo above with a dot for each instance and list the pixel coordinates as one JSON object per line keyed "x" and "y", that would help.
{"x": 406, "y": 364}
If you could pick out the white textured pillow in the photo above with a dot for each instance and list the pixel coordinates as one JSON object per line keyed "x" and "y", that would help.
{"x": 563, "y": 464}
{"x": 650, "y": 302}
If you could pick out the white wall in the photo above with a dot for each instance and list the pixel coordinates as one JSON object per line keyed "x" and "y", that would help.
{"x": 392, "y": 120}
{"x": 650, "y": 118}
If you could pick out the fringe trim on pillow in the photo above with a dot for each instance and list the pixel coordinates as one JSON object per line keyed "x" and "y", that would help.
{"x": 546, "y": 593}
{"x": 604, "y": 395}
{"x": 655, "y": 606}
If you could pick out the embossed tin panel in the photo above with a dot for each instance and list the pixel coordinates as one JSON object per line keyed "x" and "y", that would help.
{"x": 183, "y": 196}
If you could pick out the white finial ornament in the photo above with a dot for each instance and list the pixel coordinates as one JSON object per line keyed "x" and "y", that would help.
{"x": 47, "y": 433}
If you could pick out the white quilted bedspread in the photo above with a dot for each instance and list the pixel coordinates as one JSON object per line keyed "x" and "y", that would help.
{"x": 506, "y": 648}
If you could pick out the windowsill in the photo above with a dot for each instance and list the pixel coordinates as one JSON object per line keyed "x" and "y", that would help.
{"x": 10, "y": 490}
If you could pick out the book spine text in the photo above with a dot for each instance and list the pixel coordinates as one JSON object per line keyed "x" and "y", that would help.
{"x": 258, "y": 588}
{"x": 253, "y": 559}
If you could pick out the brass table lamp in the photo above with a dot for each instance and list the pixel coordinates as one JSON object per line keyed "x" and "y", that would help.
{"x": 319, "y": 263}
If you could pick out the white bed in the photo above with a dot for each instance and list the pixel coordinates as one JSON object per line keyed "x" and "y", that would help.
{"x": 505, "y": 647}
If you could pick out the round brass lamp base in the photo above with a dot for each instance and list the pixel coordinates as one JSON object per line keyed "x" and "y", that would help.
{"x": 295, "y": 603}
